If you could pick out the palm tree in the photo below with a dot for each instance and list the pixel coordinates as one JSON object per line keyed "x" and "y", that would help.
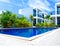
{"x": 48, "y": 18}
{"x": 31, "y": 18}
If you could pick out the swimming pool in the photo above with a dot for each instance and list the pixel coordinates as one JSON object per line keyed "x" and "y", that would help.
{"x": 25, "y": 32}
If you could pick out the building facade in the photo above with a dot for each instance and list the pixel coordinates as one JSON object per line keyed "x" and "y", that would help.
{"x": 57, "y": 14}
{"x": 38, "y": 16}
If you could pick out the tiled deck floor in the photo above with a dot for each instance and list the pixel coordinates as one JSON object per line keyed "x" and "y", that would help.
{"x": 51, "y": 39}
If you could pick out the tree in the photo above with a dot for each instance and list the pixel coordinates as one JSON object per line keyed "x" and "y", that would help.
{"x": 49, "y": 21}
{"x": 22, "y": 18}
{"x": 48, "y": 18}
{"x": 7, "y": 19}
{"x": 22, "y": 22}
{"x": 31, "y": 18}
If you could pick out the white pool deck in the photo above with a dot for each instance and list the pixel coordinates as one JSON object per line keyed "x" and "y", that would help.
{"x": 51, "y": 38}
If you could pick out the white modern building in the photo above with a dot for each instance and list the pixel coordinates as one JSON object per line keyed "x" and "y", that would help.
{"x": 57, "y": 14}
{"x": 38, "y": 15}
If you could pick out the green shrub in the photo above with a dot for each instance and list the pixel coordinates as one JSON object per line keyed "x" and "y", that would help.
{"x": 38, "y": 25}
{"x": 22, "y": 23}
{"x": 45, "y": 24}
{"x": 7, "y": 19}
{"x": 58, "y": 25}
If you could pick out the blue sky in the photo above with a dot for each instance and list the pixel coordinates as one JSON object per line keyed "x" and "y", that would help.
{"x": 15, "y": 5}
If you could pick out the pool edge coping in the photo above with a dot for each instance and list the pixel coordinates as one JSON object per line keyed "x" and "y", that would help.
{"x": 32, "y": 38}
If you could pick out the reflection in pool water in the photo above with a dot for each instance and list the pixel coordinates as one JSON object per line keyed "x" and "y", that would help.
{"x": 25, "y": 32}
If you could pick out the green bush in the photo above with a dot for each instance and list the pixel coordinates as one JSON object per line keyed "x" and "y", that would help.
{"x": 45, "y": 24}
{"x": 52, "y": 25}
{"x": 38, "y": 25}
{"x": 58, "y": 25}
{"x": 22, "y": 23}
{"x": 7, "y": 19}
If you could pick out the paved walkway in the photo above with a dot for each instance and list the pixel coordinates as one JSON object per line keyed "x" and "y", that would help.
{"x": 51, "y": 39}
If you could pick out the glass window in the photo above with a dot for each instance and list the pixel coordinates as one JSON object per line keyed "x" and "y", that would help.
{"x": 34, "y": 22}
{"x": 34, "y": 12}
{"x": 58, "y": 10}
{"x": 58, "y": 20}
{"x": 39, "y": 20}
{"x": 40, "y": 14}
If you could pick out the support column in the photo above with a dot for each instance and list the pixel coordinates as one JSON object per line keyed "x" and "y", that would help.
{"x": 55, "y": 20}
{"x": 36, "y": 15}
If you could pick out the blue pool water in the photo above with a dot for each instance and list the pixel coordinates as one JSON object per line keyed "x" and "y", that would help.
{"x": 25, "y": 32}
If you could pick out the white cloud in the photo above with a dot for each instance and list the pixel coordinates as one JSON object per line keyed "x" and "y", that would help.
{"x": 7, "y": 1}
{"x": 43, "y": 5}
{"x": 20, "y": 11}
{"x": 0, "y": 12}
{"x": 47, "y": 3}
